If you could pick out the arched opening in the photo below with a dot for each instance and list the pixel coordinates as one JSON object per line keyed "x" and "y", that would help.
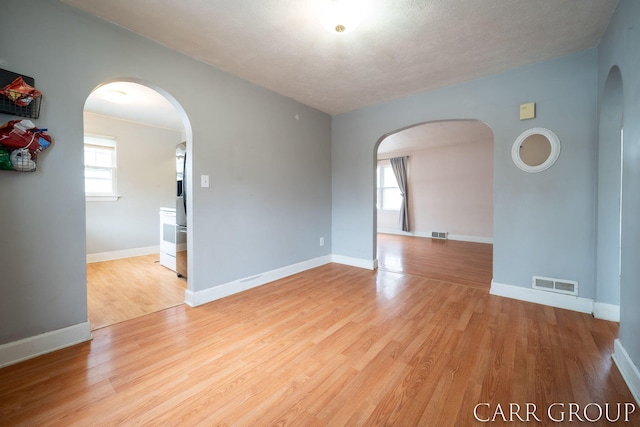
{"x": 134, "y": 132}
{"x": 449, "y": 199}
{"x": 610, "y": 173}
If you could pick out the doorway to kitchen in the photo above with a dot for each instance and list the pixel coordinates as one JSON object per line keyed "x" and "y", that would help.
{"x": 131, "y": 130}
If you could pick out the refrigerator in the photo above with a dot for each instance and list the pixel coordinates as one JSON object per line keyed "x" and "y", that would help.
{"x": 181, "y": 209}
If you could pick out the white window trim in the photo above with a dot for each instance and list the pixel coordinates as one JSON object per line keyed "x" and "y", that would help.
{"x": 379, "y": 190}
{"x": 94, "y": 198}
{"x": 104, "y": 141}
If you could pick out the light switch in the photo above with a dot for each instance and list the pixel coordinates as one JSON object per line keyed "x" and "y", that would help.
{"x": 204, "y": 181}
{"x": 528, "y": 111}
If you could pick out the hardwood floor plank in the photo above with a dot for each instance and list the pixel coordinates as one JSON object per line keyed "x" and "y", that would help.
{"x": 126, "y": 288}
{"x": 463, "y": 263}
{"x": 335, "y": 345}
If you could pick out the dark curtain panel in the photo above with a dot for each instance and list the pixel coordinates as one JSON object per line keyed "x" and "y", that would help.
{"x": 399, "y": 166}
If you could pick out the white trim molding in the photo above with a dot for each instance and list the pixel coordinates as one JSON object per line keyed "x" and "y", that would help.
{"x": 605, "y": 311}
{"x": 569, "y": 302}
{"x": 599, "y": 310}
{"x": 472, "y": 239}
{"x": 394, "y": 231}
{"x": 368, "y": 264}
{"x": 627, "y": 368}
{"x": 216, "y": 292}
{"x": 31, "y": 347}
{"x": 427, "y": 235}
{"x": 102, "y": 198}
{"x": 125, "y": 253}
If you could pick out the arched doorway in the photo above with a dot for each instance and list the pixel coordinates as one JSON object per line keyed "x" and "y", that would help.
{"x": 132, "y": 130}
{"x": 610, "y": 172}
{"x": 450, "y": 194}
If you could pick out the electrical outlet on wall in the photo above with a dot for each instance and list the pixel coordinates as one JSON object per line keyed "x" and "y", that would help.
{"x": 322, "y": 241}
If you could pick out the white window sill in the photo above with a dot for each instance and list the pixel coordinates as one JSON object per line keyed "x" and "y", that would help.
{"x": 101, "y": 198}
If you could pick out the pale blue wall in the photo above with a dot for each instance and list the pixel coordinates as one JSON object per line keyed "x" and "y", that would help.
{"x": 621, "y": 47}
{"x": 270, "y": 173}
{"x": 543, "y": 223}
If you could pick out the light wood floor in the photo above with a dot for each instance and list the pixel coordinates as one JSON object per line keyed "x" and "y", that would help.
{"x": 332, "y": 346}
{"x": 463, "y": 263}
{"x": 127, "y": 288}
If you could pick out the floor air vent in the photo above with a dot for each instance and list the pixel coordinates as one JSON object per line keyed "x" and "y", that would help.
{"x": 439, "y": 235}
{"x": 569, "y": 287}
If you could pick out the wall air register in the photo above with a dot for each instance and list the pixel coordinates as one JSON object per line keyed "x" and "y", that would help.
{"x": 439, "y": 235}
{"x": 561, "y": 286}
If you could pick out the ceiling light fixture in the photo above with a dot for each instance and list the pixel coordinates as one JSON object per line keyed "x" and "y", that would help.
{"x": 117, "y": 96}
{"x": 341, "y": 16}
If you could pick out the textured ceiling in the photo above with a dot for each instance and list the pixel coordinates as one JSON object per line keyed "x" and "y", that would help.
{"x": 401, "y": 47}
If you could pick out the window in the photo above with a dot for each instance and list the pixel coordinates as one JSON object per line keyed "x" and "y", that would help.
{"x": 100, "y": 167}
{"x": 389, "y": 196}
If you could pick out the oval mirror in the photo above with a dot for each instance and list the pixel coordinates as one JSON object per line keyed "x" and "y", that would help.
{"x": 536, "y": 150}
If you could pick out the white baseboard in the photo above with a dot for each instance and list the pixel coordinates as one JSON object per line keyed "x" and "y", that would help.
{"x": 394, "y": 231}
{"x": 125, "y": 253}
{"x": 30, "y": 347}
{"x": 605, "y": 311}
{"x": 628, "y": 369}
{"x": 599, "y": 310}
{"x": 569, "y": 302}
{"x": 459, "y": 237}
{"x": 369, "y": 264}
{"x": 472, "y": 239}
{"x": 213, "y": 293}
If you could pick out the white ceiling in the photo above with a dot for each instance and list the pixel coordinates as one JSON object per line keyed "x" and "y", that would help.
{"x": 401, "y": 47}
{"x": 141, "y": 104}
